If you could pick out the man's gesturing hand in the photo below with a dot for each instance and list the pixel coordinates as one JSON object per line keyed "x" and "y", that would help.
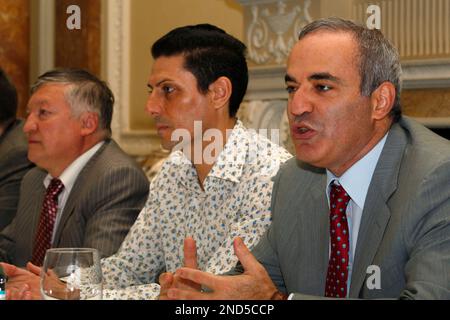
{"x": 253, "y": 284}
{"x": 168, "y": 279}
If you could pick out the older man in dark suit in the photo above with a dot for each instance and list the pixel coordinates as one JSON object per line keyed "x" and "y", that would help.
{"x": 13, "y": 151}
{"x": 85, "y": 192}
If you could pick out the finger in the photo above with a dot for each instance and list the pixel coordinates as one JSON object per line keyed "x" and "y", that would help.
{"x": 247, "y": 259}
{"x": 200, "y": 278}
{"x": 33, "y": 268}
{"x": 17, "y": 293}
{"x": 179, "y": 294}
{"x": 23, "y": 289}
{"x": 12, "y": 294}
{"x": 165, "y": 279}
{"x": 9, "y": 269}
{"x": 184, "y": 284}
{"x": 165, "y": 282}
{"x": 190, "y": 253}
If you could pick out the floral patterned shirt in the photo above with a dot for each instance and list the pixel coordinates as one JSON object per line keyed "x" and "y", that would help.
{"x": 235, "y": 202}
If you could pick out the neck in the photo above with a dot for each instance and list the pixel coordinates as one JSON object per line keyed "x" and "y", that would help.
{"x": 211, "y": 150}
{"x": 56, "y": 171}
{"x": 378, "y": 134}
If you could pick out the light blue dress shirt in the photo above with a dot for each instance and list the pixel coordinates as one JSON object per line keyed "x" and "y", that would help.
{"x": 356, "y": 181}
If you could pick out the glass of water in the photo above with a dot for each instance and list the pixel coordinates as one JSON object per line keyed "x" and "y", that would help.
{"x": 71, "y": 274}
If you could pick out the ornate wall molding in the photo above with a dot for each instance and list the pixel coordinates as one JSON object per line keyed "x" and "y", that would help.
{"x": 420, "y": 29}
{"x": 272, "y": 28}
{"x": 46, "y": 36}
{"x": 266, "y": 83}
{"x": 426, "y": 74}
{"x": 116, "y": 34}
{"x": 269, "y": 115}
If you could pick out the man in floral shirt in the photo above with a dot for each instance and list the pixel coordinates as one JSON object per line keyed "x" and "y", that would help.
{"x": 198, "y": 79}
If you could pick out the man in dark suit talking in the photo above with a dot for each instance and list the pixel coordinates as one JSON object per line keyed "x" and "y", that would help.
{"x": 85, "y": 192}
{"x": 364, "y": 210}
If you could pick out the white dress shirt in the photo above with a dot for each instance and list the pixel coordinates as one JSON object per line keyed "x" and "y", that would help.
{"x": 68, "y": 178}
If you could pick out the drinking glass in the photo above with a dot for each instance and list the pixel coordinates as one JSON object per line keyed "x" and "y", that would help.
{"x": 71, "y": 274}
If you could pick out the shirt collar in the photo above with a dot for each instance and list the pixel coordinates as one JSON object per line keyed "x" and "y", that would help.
{"x": 356, "y": 179}
{"x": 231, "y": 160}
{"x": 228, "y": 165}
{"x": 70, "y": 174}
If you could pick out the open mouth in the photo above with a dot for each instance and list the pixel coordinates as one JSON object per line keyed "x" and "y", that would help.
{"x": 302, "y": 132}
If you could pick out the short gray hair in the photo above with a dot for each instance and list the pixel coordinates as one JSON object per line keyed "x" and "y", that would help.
{"x": 85, "y": 93}
{"x": 378, "y": 59}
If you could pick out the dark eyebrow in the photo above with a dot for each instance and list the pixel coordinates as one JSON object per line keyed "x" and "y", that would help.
{"x": 158, "y": 84}
{"x": 324, "y": 76}
{"x": 288, "y": 78}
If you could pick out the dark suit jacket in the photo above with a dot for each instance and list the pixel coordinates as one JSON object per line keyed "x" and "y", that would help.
{"x": 103, "y": 204}
{"x": 13, "y": 166}
{"x": 405, "y": 226}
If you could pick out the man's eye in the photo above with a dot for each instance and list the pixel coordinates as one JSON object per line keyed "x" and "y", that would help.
{"x": 44, "y": 113}
{"x": 168, "y": 89}
{"x": 290, "y": 89}
{"x": 323, "y": 88}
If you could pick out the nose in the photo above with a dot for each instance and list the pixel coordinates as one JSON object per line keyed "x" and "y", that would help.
{"x": 153, "y": 105}
{"x": 300, "y": 102}
{"x": 30, "y": 124}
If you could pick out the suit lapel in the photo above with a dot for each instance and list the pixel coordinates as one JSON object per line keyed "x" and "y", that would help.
{"x": 322, "y": 223}
{"x": 74, "y": 197}
{"x": 36, "y": 200}
{"x": 376, "y": 213}
{"x": 313, "y": 238}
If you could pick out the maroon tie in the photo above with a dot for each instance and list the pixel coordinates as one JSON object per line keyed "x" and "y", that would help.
{"x": 337, "y": 275}
{"x": 43, "y": 240}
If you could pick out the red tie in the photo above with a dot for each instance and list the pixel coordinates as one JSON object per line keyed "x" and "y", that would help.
{"x": 43, "y": 240}
{"x": 337, "y": 275}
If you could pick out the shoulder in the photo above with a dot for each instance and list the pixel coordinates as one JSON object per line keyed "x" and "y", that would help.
{"x": 262, "y": 153}
{"x": 111, "y": 158}
{"x": 112, "y": 154}
{"x": 425, "y": 152}
{"x": 34, "y": 176}
{"x": 110, "y": 164}
{"x": 295, "y": 170}
{"x": 14, "y": 140}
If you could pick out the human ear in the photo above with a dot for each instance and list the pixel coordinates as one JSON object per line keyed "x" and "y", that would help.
{"x": 382, "y": 100}
{"x": 220, "y": 92}
{"x": 89, "y": 123}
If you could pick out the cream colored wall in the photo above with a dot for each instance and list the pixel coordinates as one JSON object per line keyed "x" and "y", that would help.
{"x": 151, "y": 19}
